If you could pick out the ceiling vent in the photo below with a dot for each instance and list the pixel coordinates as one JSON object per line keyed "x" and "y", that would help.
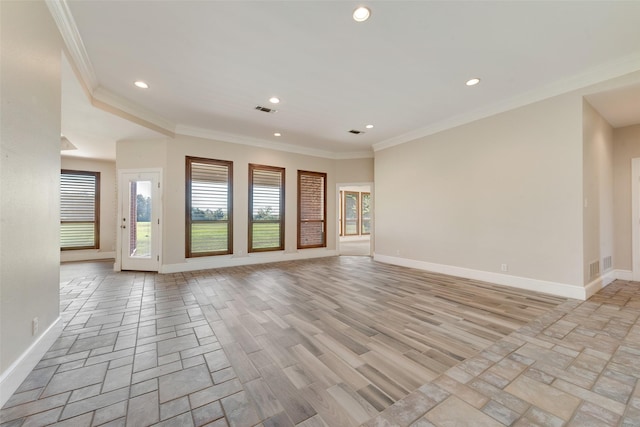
{"x": 355, "y": 131}
{"x": 265, "y": 109}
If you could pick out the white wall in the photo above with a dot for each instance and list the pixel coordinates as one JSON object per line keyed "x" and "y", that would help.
{"x": 502, "y": 190}
{"x": 107, "y": 171}
{"x": 169, "y": 154}
{"x": 626, "y": 146}
{"x": 597, "y": 194}
{"x": 30, "y": 170}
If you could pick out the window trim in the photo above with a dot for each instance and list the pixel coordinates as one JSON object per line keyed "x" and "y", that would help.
{"x": 188, "y": 221}
{"x": 280, "y": 221}
{"x": 324, "y": 208}
{"x": 96, "y": 220}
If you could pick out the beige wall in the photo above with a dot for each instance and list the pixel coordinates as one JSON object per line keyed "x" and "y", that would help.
{"x": 107, "y": 171}
{"x": 354, "y": 170}
{"x": 597, "y": 190}
{"x": 30, "y": 170}
{"x": 626, "y": 146}
{"x": 502, "y": 190}
{"x": 169, "y": 154}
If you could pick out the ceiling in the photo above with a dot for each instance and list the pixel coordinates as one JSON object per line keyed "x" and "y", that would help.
{"x": 92, "y": 131}
{"x": 210, "y": 63}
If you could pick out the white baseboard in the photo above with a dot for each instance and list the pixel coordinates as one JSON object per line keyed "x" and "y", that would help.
{"x": 623, "y": 274}
{"x": 15, "y": 374}
{"x": 206, "y": 263}
{"x": 553, "y": 288}
{"x": 85, "y": 255}
{"x": 599, "y": 283}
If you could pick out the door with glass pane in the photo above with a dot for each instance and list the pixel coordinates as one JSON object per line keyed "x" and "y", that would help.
{"x": 351, "y": 213}
{"x": 140, "y": 221}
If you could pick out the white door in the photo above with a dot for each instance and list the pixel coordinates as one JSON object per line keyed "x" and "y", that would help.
{"x": 140, "y": 208}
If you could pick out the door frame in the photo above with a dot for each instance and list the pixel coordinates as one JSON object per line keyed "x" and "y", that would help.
{"x": 117, "y": 266}
{"x": 339, "y": 187}
{"x": 635, "y": 219}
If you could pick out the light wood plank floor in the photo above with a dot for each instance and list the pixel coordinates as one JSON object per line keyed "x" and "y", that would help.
{"x": 340, "y": 339}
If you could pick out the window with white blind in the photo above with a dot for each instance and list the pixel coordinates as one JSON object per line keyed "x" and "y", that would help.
{"x": 79, "y": 210}
{"x": 312, "y": 209}
{"x": 266, "y": 208}
{"x": 209, "y": 207}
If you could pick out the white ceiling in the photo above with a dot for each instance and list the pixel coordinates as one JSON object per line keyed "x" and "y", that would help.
{"x": 92, "y": 131}
{"x": 620, "y": 107}
{"x": 209, "y": 63}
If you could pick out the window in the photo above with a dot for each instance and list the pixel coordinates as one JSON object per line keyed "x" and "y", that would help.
{"x": 312, "y": 209}
{"x": 340, "y": 213}
{"x": 351, "y": 213}
{"x": 79, "y": 210}
{"x": 365, "y": 213}
{"x": 209, "y": 213}
{"x": 266, "y": 208}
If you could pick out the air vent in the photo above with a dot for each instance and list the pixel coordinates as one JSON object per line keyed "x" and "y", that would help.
{"x": 265, "y": 109}
{"x": 355, "y": 131}
{"x": 594, "y": 269}
{"x": 606, "y": 263}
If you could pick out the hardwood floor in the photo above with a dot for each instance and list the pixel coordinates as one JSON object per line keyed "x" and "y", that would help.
{"x": 345, "y": 337}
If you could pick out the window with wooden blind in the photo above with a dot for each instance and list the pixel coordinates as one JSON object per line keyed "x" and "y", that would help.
{"x": 266, "y": 208}
{"x": 312, "y": 209}
{"x": 79, "y": 210}
{"x": 209, "y": 207}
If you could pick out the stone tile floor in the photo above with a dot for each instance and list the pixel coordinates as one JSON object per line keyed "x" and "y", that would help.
{"x": 138, "y": 349}
{"x": 577, "y": 365}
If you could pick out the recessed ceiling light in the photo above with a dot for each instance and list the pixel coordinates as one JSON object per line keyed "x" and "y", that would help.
{"x": 274, "y": 100}
{"x": 473, "y": 82}
{"x": 141, "y": 84}
{"x": 361, "y": 14}
{"x": 369, "y": 126}
{"x": 277, "y": 134}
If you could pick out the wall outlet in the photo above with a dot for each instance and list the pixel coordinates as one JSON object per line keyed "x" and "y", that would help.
{"x": 398, "y": 252}
{"x": 35, "y": 326}
{"x": 504, "y": 267}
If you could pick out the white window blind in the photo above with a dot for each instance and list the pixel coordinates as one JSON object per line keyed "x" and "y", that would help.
{"x": 312, "y": 212}
{"x": 79, "y": 210}
{"x": 266, "y": 208}
{"x": 209, "y": 207}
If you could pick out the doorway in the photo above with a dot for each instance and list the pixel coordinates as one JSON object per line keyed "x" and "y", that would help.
{"x": 355, "y": 219}
{"x": 140, "y": 210}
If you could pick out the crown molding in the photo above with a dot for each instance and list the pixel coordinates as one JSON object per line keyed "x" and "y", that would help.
{"x": 263, "y": 143}
{"x": 354, "y": 155}
{"x": 599, "y": 74}
{"x": 63, "y": 18}
{"x": 109, "y": 101}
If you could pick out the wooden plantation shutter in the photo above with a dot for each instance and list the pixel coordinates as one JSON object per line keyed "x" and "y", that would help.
{"x": 209, "y": 213}
{"x": 266, "y": 208}
{"x": 79, "y": 210}
{"x": 312, "y": 209}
